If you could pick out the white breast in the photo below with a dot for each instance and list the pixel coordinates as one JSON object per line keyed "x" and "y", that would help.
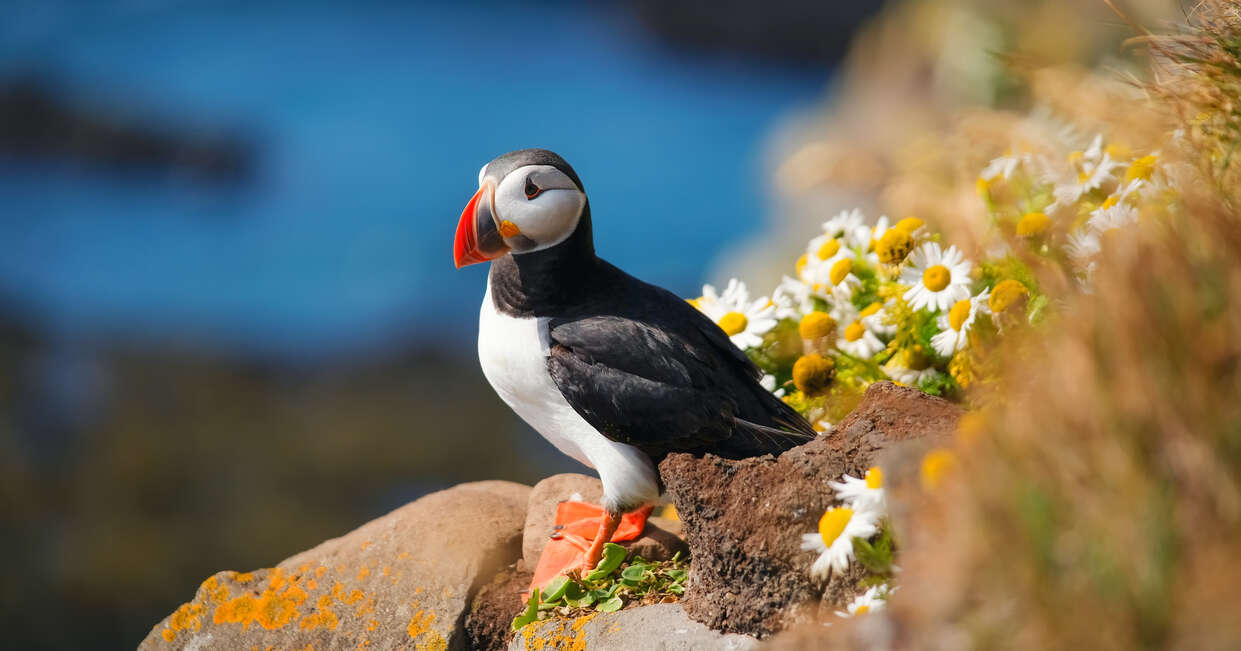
{"x": 513, "y": 353}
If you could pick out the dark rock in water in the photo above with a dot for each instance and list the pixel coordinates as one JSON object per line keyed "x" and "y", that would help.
{"x": 35, "y": 120}
{"x": 488, "y": 626}
{"x": 404, "y": 580}
{"x": 744, "y": 519}
{"x": 659, "y": 542}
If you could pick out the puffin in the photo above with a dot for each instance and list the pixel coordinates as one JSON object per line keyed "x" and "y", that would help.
{"x": 615, "y": 372}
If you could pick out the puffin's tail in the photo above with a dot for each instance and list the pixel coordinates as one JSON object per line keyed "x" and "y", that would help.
{"x": 753, "y": 440}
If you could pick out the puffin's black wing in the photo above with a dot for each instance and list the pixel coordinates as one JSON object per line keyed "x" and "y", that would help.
{"x": 653, "y": 372}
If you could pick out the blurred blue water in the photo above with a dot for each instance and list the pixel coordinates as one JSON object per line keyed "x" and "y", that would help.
{"x": 371, "y": 122}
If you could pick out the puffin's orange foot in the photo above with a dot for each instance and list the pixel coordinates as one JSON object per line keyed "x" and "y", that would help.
{"x": 607, "y": 527}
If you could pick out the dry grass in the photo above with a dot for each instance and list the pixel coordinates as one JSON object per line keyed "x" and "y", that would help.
{"x": 1100, "y": 506}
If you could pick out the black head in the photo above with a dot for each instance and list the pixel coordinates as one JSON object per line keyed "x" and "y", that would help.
{"x": 527, "y": 201}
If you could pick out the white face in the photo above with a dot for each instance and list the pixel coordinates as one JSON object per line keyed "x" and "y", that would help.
{"x": 536, "y": 207}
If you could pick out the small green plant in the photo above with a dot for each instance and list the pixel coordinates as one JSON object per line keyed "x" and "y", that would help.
{"x": 613, "y": 583}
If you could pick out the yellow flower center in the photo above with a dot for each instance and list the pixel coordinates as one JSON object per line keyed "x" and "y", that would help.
{"x": 1076, "y": 157}
{"x": 829, "y": 249}
{"x": 874, "y": 478}
{"x": 909, "y": 224}
{"x": 1007, "y": 294}
{"x": 861, "y": 610}
{"x": 840, "y": 270}
{"x": 894, "y": 246}
{"x": 855, "y": 331}
{"x": 801, "y": 264}
{"x": 1116, "y": 150}
{"x": 696, "y": 302}
{"x": 936, "y": 278}
{"x": 1032, "y": 224}
{"x": 982, "y": 187}
{"x": 833, "y": 523}
{"x": 1141, "y": 168}
{"x": 1110, "y": 201}
{"x": 958, "y": 314}
{"x": 733, "y": 323}
{"x": 816, "y": 325}
{"x": 870, "y": 310}
{"x": 813, "y": 373}
{"x": 936, "y": 465}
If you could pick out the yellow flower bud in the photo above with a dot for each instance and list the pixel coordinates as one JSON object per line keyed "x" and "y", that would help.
{"x": 813, "y": 374}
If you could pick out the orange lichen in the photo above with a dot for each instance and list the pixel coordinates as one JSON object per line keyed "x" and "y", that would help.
{"x": 366, "y": 608}
{"x": 557, "y": 634}
{"x": 420, "y": 623}
{"x": 319, "y": 571}
{"x": 273, "y": 608}
{"x": 354, "y": 597}
{"x": 402, "y": 556}
{"x": 243, "y": 577}
{"x": 169, "y": 635}
{"x": 364, "y": 572}
{"x": 323, "y": 616}
{"x": 188, "y": 617}
{"x": 365, "y": 544}
{"x": 386, "y": 570}
{"x": 311, "y": 584}
{"x": 372, "y": 625}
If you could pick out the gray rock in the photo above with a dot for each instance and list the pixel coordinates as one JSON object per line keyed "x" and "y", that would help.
{"x": 403, "y": 580}
{"x": 661, "y": 627}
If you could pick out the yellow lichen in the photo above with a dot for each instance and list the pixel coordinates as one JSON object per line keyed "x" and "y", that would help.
{"x": 323, "y": 616}
{"x": 420, "y": 623}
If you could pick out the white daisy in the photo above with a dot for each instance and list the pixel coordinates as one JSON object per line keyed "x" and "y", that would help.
{"x": 875, "y": 318}
{"x": 871, "y": 601}
{"x": 794, "y": 298}
{"x": 1093, "y": 167}
{"x": 846, "y": 221}
{"x": 1083, "y": 245}
{"x": 957, "y": 322}
{"x": 743, "y": 320}
{"x": 910, "y": 369}
{"x": 865, "y": 493}
{"x": 855, "y": 337}
{"x": 938, "y": 278}
{"x": 768, "y": 381}
{"x": 1112, "y": 214}
{"x": 834, "y": 539}
{"x": 1004, "y": 166}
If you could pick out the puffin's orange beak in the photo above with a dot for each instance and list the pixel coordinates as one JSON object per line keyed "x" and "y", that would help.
{"x": 478, "y": 238}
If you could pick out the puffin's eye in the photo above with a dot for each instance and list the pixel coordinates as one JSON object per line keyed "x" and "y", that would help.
{"x": 532, "y": 190}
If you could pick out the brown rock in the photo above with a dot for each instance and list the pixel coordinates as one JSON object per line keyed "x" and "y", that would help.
{"x": 488, "y": 627}
{"x": 744, "y": 519}
{"x": 658, "y": 542}
{"x": 401, "y": 581}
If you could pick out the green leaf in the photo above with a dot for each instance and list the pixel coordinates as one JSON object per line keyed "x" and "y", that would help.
{"x": 634, "y": 573}
{"x": 676, "y": 575}
{"x": 611, "y": 605}
{"x": 613, "y": 556}
{"x": 584, "y": 601}
{"x": 531, "y": 614}
{"x": 555, "y": 588}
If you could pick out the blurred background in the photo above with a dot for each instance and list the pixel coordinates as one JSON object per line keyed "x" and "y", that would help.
{"x": 230, "y": 326}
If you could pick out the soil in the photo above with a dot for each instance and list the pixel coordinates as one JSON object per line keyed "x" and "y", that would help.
{"x": 744, "y": 519}
{"x": 488, "y": 625}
